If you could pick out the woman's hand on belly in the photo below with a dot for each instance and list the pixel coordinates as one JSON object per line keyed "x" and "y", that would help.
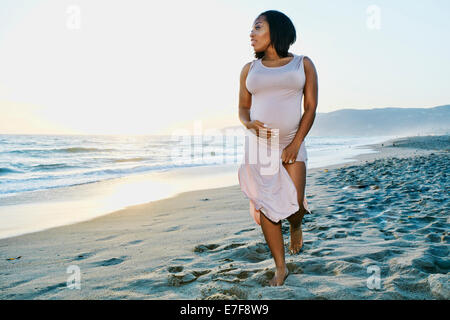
{"x": 260, "y": 128}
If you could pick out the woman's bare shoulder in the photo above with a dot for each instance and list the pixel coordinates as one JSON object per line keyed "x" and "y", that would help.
{"x": 245, "y": 69}
{"x": 246, "y": 66}
{"x": 307, "y": 63}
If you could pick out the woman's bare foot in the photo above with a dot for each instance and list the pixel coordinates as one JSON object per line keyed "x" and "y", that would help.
{"x": 296, "y": 239}
{"x": 279, "y": 277}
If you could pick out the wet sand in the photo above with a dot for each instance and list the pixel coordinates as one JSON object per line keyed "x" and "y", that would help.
{"x": 384, "y": 217}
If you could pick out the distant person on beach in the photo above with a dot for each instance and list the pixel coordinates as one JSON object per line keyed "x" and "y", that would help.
{"x": 271, "y": 91}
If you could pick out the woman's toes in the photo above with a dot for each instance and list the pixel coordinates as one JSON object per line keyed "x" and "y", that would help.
{"x": 278, "y": 278}
{"x": 293, "y": 250}
{"x": 272, "y": 281}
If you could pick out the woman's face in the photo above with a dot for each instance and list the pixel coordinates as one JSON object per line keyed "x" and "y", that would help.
{"x": 260, "y": 35}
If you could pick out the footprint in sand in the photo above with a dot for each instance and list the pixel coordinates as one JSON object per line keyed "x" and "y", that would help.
{"x": 251, "y": 253}
{"x": 322, "y": 252}
{"x": 322, "y": 227}
{"x": 107, "y": 238}
{"x": 232, "y": 275}
{"x": 174, "y": 228}
{"x": 179, "y": 279}
{"x": 175, "y": 269}
{"x": 383, "y": 255}
{"x": 337, "y": 234}
{"x": 226, "y": 270}
{"x": 244, "y": 230}
{"x": 132, "y": 242}
{"x": 243, "y": 274}
{"x": 233, "y": 293}
{"x": 181, "y": 260}
{"x": 83, "y": 256}
{"x": 199, "y": 273}
{"x": 205, "y": 247}
{"x": 110, "y": 262}
{"x": 15, "y": 284}
{"x": 60, "y": 286}
{"x": 317, "y": 267}
{"x": 234, "y": 245}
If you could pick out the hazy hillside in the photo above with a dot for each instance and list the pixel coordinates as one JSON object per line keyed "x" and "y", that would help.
{"x": 382, "y": 121}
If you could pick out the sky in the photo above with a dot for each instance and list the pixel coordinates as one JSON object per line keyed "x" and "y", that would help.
{"x": 152, "y": 67}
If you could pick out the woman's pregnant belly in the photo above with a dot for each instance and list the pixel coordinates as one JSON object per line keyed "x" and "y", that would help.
{"x": 281, "y": 114}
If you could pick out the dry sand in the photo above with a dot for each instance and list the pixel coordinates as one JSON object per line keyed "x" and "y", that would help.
{"x": 385, "y": 214}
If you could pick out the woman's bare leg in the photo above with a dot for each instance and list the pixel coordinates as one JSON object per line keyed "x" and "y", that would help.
{"x": 297, "y": 172}
{"x": 274, "y": 238}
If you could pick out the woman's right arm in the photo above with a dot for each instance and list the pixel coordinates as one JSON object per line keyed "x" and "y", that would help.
{"x": 245, "y": 97}
{"x": 245, "y": 102}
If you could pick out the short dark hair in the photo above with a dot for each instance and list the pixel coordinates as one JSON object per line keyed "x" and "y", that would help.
{"x": 282, "y": 32}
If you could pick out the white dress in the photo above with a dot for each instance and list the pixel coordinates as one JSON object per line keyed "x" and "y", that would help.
{"x": 277, "y": 94}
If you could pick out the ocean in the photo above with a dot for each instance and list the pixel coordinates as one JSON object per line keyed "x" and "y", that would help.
{"x": 38, "y": 162}
{"x": 52, "y": 180}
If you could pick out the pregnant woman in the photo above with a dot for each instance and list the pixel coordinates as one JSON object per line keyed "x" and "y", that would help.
{"x": 271, "y": 90}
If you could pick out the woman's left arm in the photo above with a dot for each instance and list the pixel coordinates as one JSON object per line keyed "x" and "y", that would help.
{"x": 310, "y": 96}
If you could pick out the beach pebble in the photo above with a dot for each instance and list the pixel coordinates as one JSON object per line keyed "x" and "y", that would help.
{"x": 10, "y": 259}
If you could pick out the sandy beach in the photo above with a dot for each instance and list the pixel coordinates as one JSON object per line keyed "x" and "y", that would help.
{"x": 378, "y": 229}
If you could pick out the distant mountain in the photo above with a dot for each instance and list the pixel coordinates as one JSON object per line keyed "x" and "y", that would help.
{"x": 382, "y": 121}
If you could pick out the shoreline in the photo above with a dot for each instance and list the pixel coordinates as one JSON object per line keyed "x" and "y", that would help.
{"x": 215, "y": 245}
{"x": 40, "y": 210}
{"x": 105, "y": 197}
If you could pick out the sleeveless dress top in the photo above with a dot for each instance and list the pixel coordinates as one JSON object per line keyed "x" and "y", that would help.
{"x": 277, "y": 94}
